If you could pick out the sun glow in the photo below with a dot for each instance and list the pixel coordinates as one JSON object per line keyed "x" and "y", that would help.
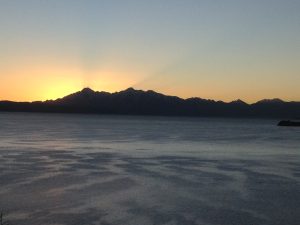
{"x": 53, "y": 81}
{"x": 110, "y": 80}
{"x": 39, "y": 84}
{"x": 61, "y": 89}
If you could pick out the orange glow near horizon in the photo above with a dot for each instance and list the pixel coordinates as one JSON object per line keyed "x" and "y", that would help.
{"x": 50, "y": 87}
{"x": 49, "y": 82}
{"x": 39, "y": 84}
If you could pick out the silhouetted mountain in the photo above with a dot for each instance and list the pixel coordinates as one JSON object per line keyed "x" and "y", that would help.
{"x": 138, "y": 102}
{"x": 238, "y": 102}
{"x": 271, "y": 101}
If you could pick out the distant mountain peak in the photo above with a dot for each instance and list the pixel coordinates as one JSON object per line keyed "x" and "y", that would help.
{"x": 130, "y": 89}
{"x": 274, "y": 100}
{"x": 239, "y": 102}
{"x": 87, "y": 90}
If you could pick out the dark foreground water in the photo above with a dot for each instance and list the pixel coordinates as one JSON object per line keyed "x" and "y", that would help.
{"x": 87, "y": 169}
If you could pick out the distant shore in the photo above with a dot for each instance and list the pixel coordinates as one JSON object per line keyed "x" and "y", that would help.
{"x": 138, "y": 102}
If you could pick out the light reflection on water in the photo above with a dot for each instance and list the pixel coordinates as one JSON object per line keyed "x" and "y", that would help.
{"x": 89, "y": 169}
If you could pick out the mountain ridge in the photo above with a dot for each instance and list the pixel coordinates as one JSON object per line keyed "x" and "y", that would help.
{"x": 140, "y": 102}
{"x": 131, "y": 89}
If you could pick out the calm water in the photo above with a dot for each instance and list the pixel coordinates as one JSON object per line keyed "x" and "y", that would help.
{"x": 87, "y": 169}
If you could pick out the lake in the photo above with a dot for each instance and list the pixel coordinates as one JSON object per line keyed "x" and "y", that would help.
{"x": 64, "y": 169}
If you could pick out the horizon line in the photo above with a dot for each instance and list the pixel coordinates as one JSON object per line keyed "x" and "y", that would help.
{"x": 150, "y": 90}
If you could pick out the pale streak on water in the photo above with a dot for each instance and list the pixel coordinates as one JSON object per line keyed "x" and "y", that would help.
{"x": 89, "y": 169}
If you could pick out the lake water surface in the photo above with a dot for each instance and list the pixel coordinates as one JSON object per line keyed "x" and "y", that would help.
{"x": 60, "y": 169}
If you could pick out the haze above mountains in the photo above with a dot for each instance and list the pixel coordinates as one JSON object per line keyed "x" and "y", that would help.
{"x": 138, "y": 102}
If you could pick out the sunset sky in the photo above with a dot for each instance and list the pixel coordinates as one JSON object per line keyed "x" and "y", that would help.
{"x": 216, "y": 49}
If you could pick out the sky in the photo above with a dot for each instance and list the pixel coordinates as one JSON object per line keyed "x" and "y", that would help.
{"x": 214, "y": 49}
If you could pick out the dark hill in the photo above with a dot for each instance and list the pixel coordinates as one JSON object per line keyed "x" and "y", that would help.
{"x": 138, "y": 102}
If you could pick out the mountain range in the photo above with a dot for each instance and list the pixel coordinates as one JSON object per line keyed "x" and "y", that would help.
{"x": 139, "y": 102}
